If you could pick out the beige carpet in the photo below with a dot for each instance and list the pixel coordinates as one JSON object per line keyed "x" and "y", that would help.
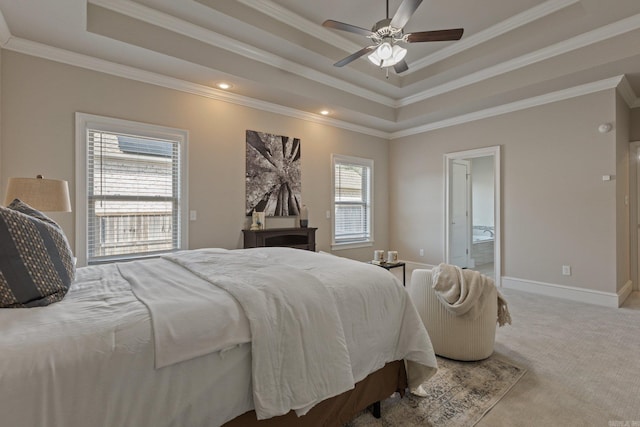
{"x": 458, "y": 395}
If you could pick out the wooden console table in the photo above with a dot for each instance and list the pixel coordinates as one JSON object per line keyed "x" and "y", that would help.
{"x": 300, "y": 238}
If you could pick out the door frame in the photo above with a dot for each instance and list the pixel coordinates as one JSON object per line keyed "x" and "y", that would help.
{"x": 497, "y": 201}
{"x": 634, "y": 213}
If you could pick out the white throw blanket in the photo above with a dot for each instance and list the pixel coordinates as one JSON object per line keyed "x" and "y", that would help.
{"x": 299, "y": 351}
{"x": 190, "y": 317}
{"x": 464, "y": 292}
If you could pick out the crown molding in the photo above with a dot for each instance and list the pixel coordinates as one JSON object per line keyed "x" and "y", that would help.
{"x": 179, "y": 26}
{"x": 603, "y": 33}
{"x": 40, "y": 50}
{"x": 154, "y": 17}
{"x": 523, "y": 104}
{"x": 279, "y": 13}
{"x": 5, "y": 34}
{"x": 628, "y": 94}
{"x": 510, "y": 24}
{"x": 99, "y": 65}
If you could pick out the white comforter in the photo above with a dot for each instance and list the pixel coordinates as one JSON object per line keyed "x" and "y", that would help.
{"x": 300, "y": 355}
{"x": 89, "y": 360}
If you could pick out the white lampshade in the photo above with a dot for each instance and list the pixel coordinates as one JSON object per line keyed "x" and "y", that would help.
{"x": 387, "y": 56}
{"x": 384, "y": 51}
{"x": 47, "y": 195}
{"x": 398, "y": 54}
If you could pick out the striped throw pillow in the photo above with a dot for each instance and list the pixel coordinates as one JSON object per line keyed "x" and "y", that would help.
{"x": 36, "y": 262}
{"x": 20, "y": 206}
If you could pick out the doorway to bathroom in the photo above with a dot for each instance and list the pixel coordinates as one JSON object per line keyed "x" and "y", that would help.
{"x": 634, "y": 212}
{"x": 472, "y": 210}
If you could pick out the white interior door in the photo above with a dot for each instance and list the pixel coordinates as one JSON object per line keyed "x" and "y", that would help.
{"x": 459, "y": 213}
{"x": 635, "y": 260}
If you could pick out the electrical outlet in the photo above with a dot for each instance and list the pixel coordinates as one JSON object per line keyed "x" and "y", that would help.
{"x": 421, "y": 252}
{"x": 328, "y": 214}
{"x": 566, "y": 270}
{"x": 193, "y": 215}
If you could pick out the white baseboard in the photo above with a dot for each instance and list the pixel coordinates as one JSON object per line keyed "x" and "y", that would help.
{"x": 590, "y": 296}
{"x": 625, "y": 292}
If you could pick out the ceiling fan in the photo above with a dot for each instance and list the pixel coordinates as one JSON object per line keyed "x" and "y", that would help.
{"x": 387, "y": 33}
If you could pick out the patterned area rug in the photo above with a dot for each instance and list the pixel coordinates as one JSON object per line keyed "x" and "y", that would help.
{"x": 459, "y": 394}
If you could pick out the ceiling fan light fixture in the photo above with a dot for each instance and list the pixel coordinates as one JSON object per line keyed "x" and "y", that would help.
{"x": 397, "y": 54}
{"x": 385, "y": 35}
{"x": 374, "y": 58}
{"x": 385, "y": 51}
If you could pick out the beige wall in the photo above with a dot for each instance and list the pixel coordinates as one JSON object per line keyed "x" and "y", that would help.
{"x": 1, "y": 181}
{"x": 634, "y": 128}
{"x": 556, "y": 209}
{"x": 40, "y": 99}
{"x": 622, "y": 191}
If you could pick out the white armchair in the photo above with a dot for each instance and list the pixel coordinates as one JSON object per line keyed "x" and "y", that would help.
{"x": 454, "y": 337}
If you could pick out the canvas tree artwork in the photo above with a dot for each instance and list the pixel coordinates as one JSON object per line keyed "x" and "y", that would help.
{"x": 273, "y": 182}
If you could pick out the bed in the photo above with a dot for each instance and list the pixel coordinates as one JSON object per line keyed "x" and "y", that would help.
{"x": 213, "y": 337}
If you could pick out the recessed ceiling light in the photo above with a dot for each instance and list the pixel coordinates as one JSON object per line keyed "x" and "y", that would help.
{"x": 224, "y": 85}
{"x": 324, "y": 112}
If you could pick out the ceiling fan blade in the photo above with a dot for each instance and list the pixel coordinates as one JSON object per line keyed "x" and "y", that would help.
{"x": 404, "y": 12}
{"x": 354, "y": 56}
{"x": 435, "y": 36}
{"x": 336, "y": 25}
{"x": 401, "y": 67}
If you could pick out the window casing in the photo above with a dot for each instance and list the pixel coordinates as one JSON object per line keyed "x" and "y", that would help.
{"x": 132, "y": 195}
{"x": 352, "y": 202}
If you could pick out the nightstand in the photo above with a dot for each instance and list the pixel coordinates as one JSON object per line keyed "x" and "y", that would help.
{"x": 390, "y": 265}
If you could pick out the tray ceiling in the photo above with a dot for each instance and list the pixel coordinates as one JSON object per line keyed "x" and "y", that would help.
{"x": 277, "y": 55}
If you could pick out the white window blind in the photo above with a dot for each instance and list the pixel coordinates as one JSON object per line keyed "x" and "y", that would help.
{"x": 133, "y": 195}
{"x": 352, "y": 200}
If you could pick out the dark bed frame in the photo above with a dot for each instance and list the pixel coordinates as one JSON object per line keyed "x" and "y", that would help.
{"x": 340, "y": 409}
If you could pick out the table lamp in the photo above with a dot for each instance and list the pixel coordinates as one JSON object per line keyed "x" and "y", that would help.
{"x": 47, "y": 195}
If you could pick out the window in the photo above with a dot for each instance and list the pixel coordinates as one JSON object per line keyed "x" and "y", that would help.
{"x": 131, "y": 189}
{"x": 352, "y": 200}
